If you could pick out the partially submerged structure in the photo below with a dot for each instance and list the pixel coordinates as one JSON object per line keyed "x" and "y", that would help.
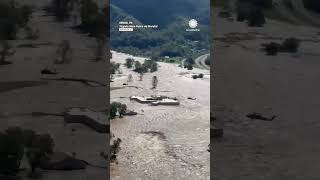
{"x": 95, "y": 120}
{"x": 156, "y": 100}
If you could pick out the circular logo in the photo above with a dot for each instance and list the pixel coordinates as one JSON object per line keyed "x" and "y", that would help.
{"x": 193, "y": 23}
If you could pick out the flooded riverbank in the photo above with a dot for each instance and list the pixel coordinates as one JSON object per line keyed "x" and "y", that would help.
{"x": 164, "y": 142}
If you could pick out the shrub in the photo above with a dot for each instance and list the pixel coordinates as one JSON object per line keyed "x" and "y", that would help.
{"x": 190, "y": 60}
{"x": 44, "y": 143}
{"x": 117, "y": 107}
{"x": 154, "y": 67}
{"x": 113, "y": 110}
{"x": 256, "y": 18}
{"x": 89, "y": 11}
{"x": 138, "y": 67}
{"x": 290, "y": 45}
{"x": 189, "y": 66}
{"x": 129, "y": 62}
{"x": 122, "y": 109}
{"x": 114, "y": 149}
{"x": 272, "y": 48}
{"x": 93, "y": 21}
{"x": 12, "y": 144}
{"x": 60, "y": 9}
{"x": 197, "y": 76}
{"x": 207, "y": 61}
{"x": 114, "y": 67}
{"x": 5, "y": 52}
{"x": 11, "y": 150}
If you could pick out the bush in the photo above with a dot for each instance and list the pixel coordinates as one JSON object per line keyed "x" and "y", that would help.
{"x": 146, "y": 66}
{"x": 122, "y": 109}
{"x": 11, "y": 150}
{"x": 11, "y": 18}
{"x": 190, "y": 60}
{"x": 154, "y": 67}
{"x": 114, "y": 67}
{"x": 290, "y": 45}
{"x": 256, "y": 18}
{"x": 197, "y": 76}
{"x": 114, "y": 149}
{"x": 12, "y": 144}
{"x": 272, "y": 48}
{"x": 129, "y": 62}
{"x": 117, "y": 107}
{"x": 139, "y": 68}
{"x": 5, "y": 52}
{"x": 189, "y": 66}
{"x": 93, "y": 21}
{"x": 113, "y": 110}
{"x": 207, "y": 61}
{"x": 60, "y": 9}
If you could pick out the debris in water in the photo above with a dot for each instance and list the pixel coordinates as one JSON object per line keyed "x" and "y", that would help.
{"x": 260, "y": 117}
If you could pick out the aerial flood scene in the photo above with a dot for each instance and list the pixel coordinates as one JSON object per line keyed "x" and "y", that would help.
{"x": 266, "y": 95}
{"x": 53, "y": 91}
{"x": 160, "y": 90}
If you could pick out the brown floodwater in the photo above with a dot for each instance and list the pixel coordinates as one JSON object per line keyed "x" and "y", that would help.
{"x": 164, "y": 142}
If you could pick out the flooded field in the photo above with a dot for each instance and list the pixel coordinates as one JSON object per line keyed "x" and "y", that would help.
{"x": 163, "y": 142}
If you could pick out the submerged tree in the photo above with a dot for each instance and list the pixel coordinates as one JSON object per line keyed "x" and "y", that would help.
{"x": 130, "y": 78}
{"x": 5, "y": 52}
{"x": 114, "y": 67}
{"x": 38, "y": 147}
{"x": 114, "y": 149}
{"x": 101, "y": 44}
{"x": 154, "y": 82}
{"x": 141, "y": 76}
{"x": 64, "y": 52}
{"x": 122, "y": 109}
{"x": 129, "y": 62}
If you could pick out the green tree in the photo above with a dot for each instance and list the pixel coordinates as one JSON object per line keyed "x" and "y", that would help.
{"x": 154, "y": 67}
{"x": 122, "y": 109}
{"x": 129, "y": 62}
{"x": 114, "y": 67}
{"x": 114, "y": 109}
{"x": 138, "y": 67}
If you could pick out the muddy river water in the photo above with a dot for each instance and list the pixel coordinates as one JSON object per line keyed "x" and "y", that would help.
{"x": 163, "y": 142}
